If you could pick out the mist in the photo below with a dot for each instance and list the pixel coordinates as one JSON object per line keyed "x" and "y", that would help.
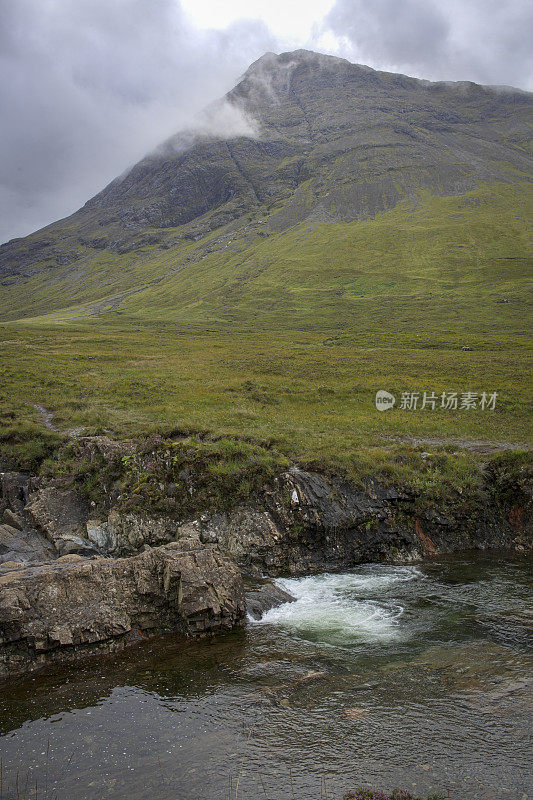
{"x": 88, "y": 87}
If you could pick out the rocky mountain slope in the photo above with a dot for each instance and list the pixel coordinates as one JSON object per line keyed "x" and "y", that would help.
{"x": 327, "y": 142}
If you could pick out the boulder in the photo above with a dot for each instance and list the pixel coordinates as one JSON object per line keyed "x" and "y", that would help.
{"x": 261, "y": 599}
{"x": 76, "y": 606}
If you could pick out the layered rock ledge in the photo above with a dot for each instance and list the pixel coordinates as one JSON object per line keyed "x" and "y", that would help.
{"x": 76, "y": 606}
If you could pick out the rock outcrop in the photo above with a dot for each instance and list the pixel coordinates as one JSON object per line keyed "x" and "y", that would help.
{"x": 301, "y": 522}
{"x": 261, "y": 599}
{"x": 80, "y": 575}
{"x": 62, "y": 516}
{"x": 76, "y": 606}
{"x": 310, "y": 523}
{"x": 15, "y": 490}
{"x": 25, "y": 546}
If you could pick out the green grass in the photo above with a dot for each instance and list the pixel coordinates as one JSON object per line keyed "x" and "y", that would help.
{"x": 177, "y": 474}
{"x": 285, "y": 340}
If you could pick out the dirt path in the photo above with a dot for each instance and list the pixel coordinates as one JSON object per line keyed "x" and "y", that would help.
{"x": 475, "y": 446}
{"x": 46, "y": 416}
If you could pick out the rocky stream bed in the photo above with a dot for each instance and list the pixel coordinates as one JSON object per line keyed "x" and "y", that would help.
{"x": 79, "y": 576}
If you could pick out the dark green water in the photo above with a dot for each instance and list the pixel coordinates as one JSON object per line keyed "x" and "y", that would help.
{"x": 415, "y": 677}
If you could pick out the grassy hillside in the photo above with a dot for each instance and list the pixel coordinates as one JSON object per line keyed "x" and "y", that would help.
{"x": 460, "y": 256}
{"x": 330, "y": 142}
{"x": 288, "y": 340}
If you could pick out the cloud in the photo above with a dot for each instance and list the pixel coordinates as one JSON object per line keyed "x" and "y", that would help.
{"x": 221, "y": 119}
{"x": 487, "y": 41}
{"x": 88, "y": 87}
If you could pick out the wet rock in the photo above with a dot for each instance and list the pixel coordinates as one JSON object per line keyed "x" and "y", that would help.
{"x": 73, "y": 607}
{"x": 438, "y": 519}
{"x": 265, "y": 597}
{"x": 333, "y": 525}
{"x": 26, "y": 546}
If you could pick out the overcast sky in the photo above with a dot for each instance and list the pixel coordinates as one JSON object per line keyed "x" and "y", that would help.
{"x": 87, "y": 87}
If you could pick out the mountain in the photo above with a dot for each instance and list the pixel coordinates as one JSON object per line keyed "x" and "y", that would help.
{"x": 323, "y": 232}
{"x": 303, "y": 146}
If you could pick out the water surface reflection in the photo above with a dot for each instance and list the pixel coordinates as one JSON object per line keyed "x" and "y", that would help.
{"x": 388, "y": 676}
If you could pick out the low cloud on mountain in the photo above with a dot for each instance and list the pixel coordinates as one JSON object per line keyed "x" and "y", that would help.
{"x": 87, "y": 87}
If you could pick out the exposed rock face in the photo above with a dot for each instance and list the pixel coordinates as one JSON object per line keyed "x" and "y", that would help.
{"x": 15, "y": 490}
{"x": 332, "y": 524}
{"x": 76, "y": 606}
{"x": 60, "y": 598}
{"x": 249, "y": 535}
{"x": 313, "y": 523}
{"x": 128, "y": 533}
{"x": 19, "y": 540}
{"x": 302, "y": 522}
{"x": 58, "y": 512}
{"x": 61, "y": 515}
{"x": 24, "y": 546}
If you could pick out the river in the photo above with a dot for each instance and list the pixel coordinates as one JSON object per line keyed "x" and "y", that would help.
{"x": 416, "y": 677}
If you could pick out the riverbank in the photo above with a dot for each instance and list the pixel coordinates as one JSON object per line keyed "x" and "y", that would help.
{"x": 176, "y": 521}
{"x": 429, "y": 686}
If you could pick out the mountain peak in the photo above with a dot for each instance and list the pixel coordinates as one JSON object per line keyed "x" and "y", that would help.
{"x": 281, "y": 77}
{"x": 283, "y": 63}
{"x": 303, "y": 136}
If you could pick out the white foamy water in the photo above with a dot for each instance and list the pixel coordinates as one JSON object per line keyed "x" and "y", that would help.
{"x": 343, "y": 609}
